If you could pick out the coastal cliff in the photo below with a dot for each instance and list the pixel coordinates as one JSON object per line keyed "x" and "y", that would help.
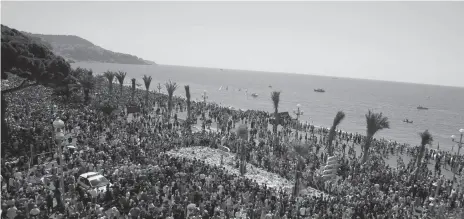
{"x": 77, "y": 49}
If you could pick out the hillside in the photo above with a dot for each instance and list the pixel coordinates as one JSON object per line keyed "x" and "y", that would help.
{"x": 76, "y": 49}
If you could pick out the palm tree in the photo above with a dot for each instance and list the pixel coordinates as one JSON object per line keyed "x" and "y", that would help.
{"x": 133, "y": 89}
{"x": 110, "y": 76}
{"x": 159, "y": 87}
{"x": 275, "y": 97}
{"x": 187, "y": 95}
{"x": 375, "y": 122}
{"x": 301, "y": 152}
{"x": 147, "y": 81}
{"x": 426, "y": 138}
{"x": 337, "y": 120}
{"x": 120, "y": 75}
{"x": 170, "y": 88}
{"x": 242, "y": 134}
{"x": 87, "y": 82}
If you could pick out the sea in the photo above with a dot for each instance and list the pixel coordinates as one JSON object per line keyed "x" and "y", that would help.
{"x": 397, "y": 101}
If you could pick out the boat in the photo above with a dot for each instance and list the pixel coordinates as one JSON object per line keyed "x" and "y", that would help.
{"x": 220, "y": 88}
{"x": 254, "y": 95}
{"x": 408, "y": 121}
{"x": 319, "y": 90}
{"x": 422, "y": 108}
{"x": 270, "y": 86}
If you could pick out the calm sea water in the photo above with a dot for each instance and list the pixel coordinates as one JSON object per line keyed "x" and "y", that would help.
{"x": 397, "y": 101}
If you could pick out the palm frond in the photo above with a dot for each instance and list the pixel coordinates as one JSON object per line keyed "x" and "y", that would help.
{"x": 275, "y": 97}
{"x": 338, "y": 118}
{"x": 109, "y": 75}
{"x": 376, "y": 122}
{"x": 187, "y": 92}
{"x": 426, "y": 137}
{"x": 147, "y": 81}
{"x": 87, "y": 81}
{"x": 170, "y": 87}
{"x": 120, "y": 75}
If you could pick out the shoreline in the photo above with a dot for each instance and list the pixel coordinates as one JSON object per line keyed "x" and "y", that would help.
{"x": 391, "y": 159}
{"x": 181, "y": 96}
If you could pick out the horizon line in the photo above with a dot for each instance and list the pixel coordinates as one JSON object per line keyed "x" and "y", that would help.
{"x": 314, "y": 74}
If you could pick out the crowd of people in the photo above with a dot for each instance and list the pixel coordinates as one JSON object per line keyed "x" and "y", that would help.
{"x": 128, "y": 149}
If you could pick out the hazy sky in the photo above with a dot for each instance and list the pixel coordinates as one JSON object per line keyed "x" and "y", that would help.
{"x": 421, "y": 42}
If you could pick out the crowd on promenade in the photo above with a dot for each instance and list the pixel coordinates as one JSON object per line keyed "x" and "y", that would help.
{"x": 146, "y": 183}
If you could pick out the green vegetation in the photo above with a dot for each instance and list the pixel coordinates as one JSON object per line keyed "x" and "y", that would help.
{"x": 31, "y": 61}
{"x": 120, "y": 75}
{"x": 147, "y": 81}
{"x": 109, "y": 75}
{"x": 74, "y": 48}
{"x": 170, "y": 88}
{"x": 189, "y": 105}
{"x": 337, "y": 120}
{"x": 275, "y": 97}
{"x": 375, "y": 122}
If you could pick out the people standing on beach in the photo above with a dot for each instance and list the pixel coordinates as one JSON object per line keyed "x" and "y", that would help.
{"x": 146, "y": 182}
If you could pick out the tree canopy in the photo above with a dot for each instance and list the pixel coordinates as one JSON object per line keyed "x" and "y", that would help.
{"x": 31, "y": 60}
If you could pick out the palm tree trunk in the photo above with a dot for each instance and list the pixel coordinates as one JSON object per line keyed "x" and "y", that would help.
{"x": 188, "y": 115}
{"x": 366, "y": 148}
{"x": 146, "y": 98}
{"x": 169, "y": 106}
{"x": 242, "y": 159}
{"x": 274, "y": 128}
{"x": 330, "y": 140}
{"x": 133, "y": 94}
{"x": 121, "y": 89}
{"x": 276, "y": 121}
{"x": 421, "y": 154}
{"x": 86, "y": 96}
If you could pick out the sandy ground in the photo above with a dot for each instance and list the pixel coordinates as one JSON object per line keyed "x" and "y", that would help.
{"x": 213, "y": 157}
{"x": 391, "y": 160}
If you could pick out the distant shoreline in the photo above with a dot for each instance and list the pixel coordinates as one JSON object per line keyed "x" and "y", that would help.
{"x": 311, "y": 74}
{"x": 224, "y": 70}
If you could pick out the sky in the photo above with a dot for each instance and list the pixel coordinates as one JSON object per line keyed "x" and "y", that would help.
{"x": 417, "y": 42}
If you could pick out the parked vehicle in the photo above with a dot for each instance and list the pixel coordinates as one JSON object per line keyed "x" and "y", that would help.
{"x": 93, "y": 183}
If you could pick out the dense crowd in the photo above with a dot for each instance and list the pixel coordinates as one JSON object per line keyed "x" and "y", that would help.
{"x": 147, "y": 183}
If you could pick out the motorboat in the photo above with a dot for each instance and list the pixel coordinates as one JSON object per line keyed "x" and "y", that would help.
{"x": 319, "y": 90}
{"x": 422, "y": 108}
{"x": 408, "y": 121}
{"x": 254, "y": 95}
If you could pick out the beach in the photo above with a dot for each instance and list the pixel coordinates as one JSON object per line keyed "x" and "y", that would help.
{"x": 119, "y": 146}
{"x": 391, "y": 160}
{"x": 397, "y": 101}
